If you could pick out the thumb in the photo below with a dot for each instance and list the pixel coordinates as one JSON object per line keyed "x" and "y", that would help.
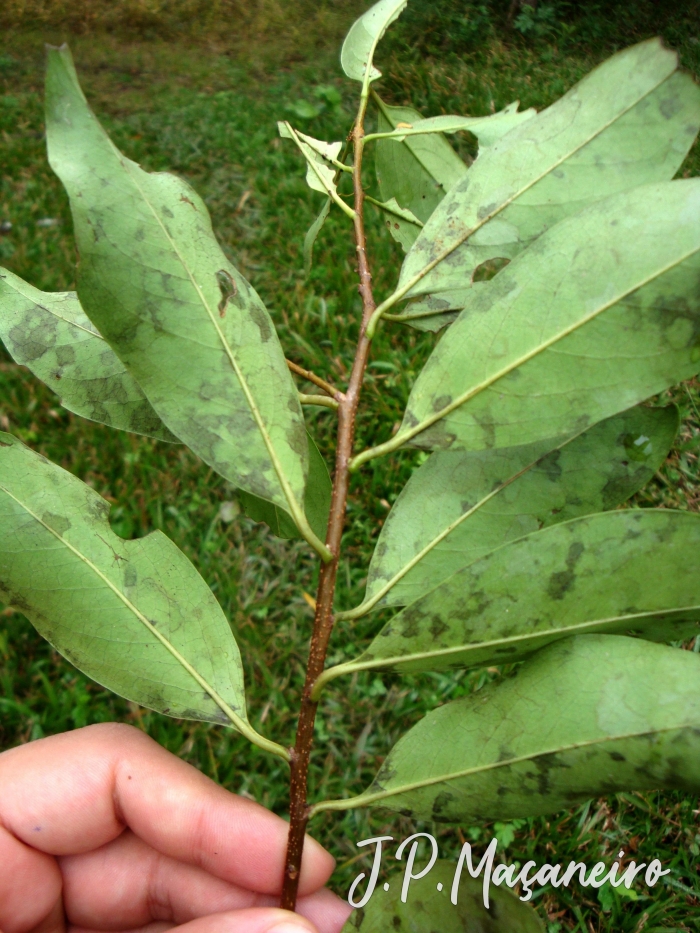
{"x": 251, "y": 920}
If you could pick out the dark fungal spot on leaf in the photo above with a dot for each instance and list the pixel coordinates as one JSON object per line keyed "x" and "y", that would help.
{"x": 259, "y": 317}
{"x": 410, "y": 628}
{"x": 437, "y": 627}
{"x": 669, "y": 107}
{"x": 97, "y": 507}
{"x": 58, "y": 523}
{"x": 228, "y": 289}
{"x": 30, "y": 340}
{"x": 65, "y": 355}
{"x": 442, "y": 401}
{"x": 131, "y": 577}
{"x": 559, "y": 584}
{"x": 486, "y": 209}
{"x": 441, "y": 803}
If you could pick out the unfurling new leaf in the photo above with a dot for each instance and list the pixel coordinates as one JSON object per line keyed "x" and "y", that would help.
{"x": 186, "y": 324}
{"x": 51, "y": 335}
{"x": 588, "y": 716}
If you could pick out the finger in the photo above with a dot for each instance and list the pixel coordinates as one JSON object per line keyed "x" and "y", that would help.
{"x": 238, "y": 921}
{"x": 325, "y": 910}
{"x": 71, "y": 793}
{"x": 127, "y": 883}
{"x": 26, "y": 869}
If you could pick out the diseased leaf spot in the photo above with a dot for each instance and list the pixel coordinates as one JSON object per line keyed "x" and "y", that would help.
{"x": 58, "y": 523}
{"x": 438, "y": 627}
{"x": 65, "y": 355}
{"x": 227, "y": 287}
{"x": 259, "y": 317}
{"x": 442, "y": 401}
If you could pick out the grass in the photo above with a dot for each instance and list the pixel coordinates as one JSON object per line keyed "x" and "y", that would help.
{"x": 207, "y": 110}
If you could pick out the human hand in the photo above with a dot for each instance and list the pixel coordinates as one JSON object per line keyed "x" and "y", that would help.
{"x": 102, "y": 829}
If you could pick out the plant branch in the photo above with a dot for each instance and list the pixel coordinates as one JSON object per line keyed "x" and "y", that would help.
{"x": 316, "y": 380}
{"x": 324, "y": 619}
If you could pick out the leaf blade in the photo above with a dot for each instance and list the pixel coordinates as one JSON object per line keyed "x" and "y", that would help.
{"x": 98, "y": 593}
{"x": 577, "y": 343}
{"x": 488, "y": 129}
{"x": 585, "y": 717}
{"x": 548, "y": 585}
{"x": 317, "y": 501}
{"x": 506, "y": 914}
{"x": 459, "y": 505}
{"x": 417, "y": 172}
{"x": 365, "y": 33}
{"x": 614, "y": 130}
{"x": 50, "y": 334}
{"x": 156, "y": 283}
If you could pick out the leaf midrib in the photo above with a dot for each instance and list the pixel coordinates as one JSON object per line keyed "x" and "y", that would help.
{"x": 237, "y": 720}
{"x": 366, "y": 799}
{"x": 561, "y": 632}
{"x": 434, "y": 542}
{"x": 289, "y": 495}
{"x": 472, "y": 230}
{"x": 404, "y": 437}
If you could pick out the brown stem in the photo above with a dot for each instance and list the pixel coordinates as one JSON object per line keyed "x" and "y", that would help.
{"x": 312, "y": 377}
{"x": 323, "y": 621}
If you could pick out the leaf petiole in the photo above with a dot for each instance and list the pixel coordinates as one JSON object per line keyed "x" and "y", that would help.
{"x": 323, "y": 401}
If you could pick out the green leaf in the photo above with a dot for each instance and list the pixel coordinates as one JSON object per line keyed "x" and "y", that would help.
{"x": 186, "y": 324}
{"x": 418, "y": 172}
{"x": 319, "y": 175}
{"x": 427, "y": 910}
{"x": 401, "y": 223}
{"x": 318, "y": 154}
{"x": 588, "y": 716}
{"x": 433, "y": 312}
{"x": 317, "y": 501}
{"x": 629, "y": 122}
{"x": 459, "y": 505}
{"x": 304, "y": 109}
{"x": 133, "y": 615}
{"x": 488, "y": 129}
{"x": 360, "y": 43}
{"x": 312, "y": 235}
{"x": 636, "y": 570}
{"x": 598, "y": 314}
{"x": 50, "y": 334}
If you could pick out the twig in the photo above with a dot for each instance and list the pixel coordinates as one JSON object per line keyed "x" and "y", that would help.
{"x": 317, "y": 381}
{"x": 323, "y": 621}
